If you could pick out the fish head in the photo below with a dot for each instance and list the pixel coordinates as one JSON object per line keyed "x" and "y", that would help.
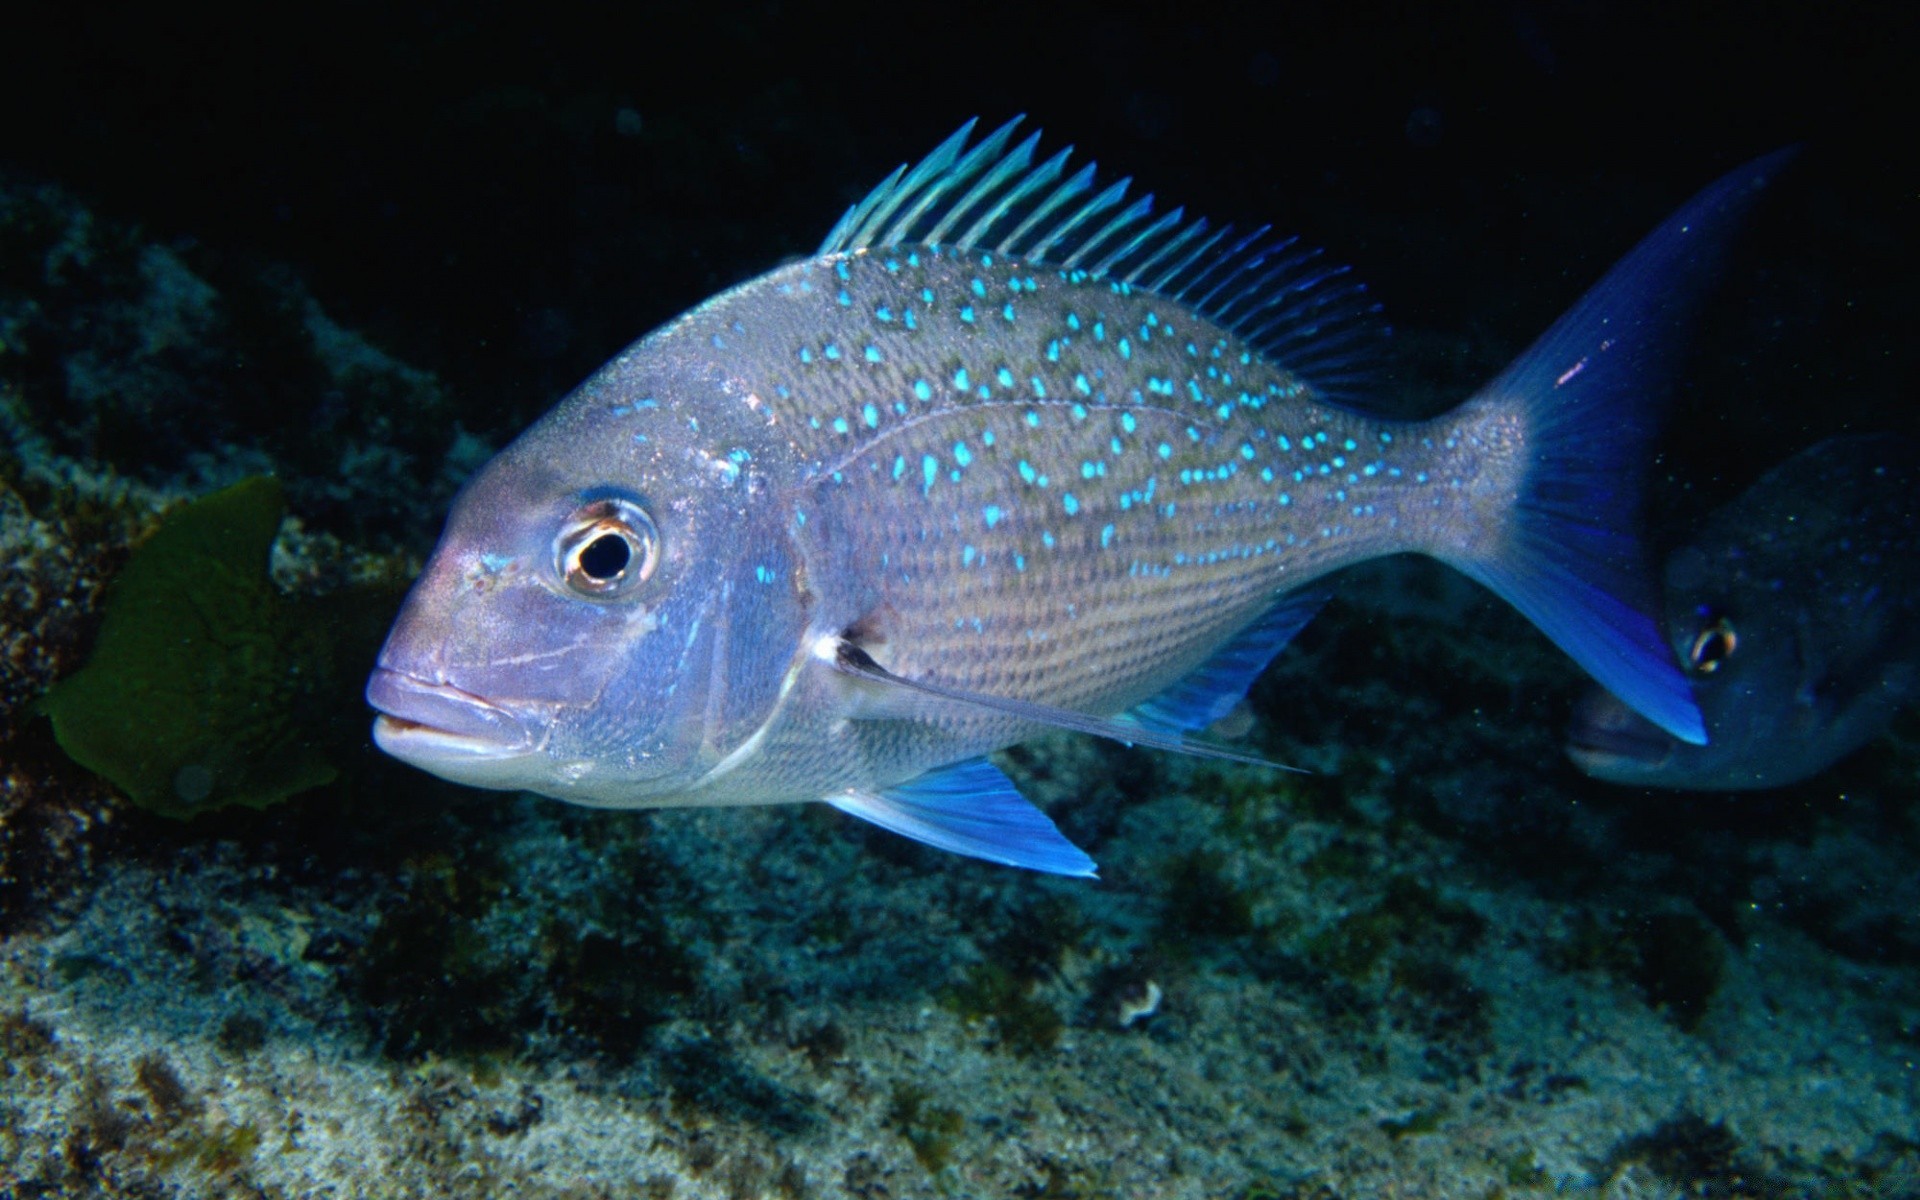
{"x": 1741, "y": 672}
{"x": 1760, "y": 671}
{"x": 1796, "y": 615}
{"x": 609, "y": 609}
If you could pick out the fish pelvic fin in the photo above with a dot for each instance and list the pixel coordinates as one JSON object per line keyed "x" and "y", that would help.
{"x": 970, "y": 808}
{"x": 1579, "y": 411}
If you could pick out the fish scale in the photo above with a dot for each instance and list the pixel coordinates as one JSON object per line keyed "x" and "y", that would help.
{"x": 1010, "y": 452}
{"x": 1172, "y": 482}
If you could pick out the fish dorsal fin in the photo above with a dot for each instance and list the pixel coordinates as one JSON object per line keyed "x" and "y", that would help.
{"x": 970, "y": 808}
{"x": 1210, "y": 691}
{"x": 1303, "y": 313}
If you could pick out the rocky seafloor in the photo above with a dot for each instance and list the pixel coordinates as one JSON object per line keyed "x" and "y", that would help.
{"x": 1441, "y": 965}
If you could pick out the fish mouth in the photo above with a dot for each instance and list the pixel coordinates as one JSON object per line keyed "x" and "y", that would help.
{"x": 1605, "y": 736}
{"x": 420, "y": 720}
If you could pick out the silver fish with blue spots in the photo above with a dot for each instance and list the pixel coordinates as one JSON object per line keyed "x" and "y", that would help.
{"x": 1011, "y": 451}
{"x": 1796, "y": 612}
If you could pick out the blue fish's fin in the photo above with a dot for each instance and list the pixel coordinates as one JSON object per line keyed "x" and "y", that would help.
{"x": 1283, "y": 299}
{"x": 922, "y": 698}
{"x": 971, "y": 808}
{"x": 1210, "y": 692}
{"x": 1588, "y": 396}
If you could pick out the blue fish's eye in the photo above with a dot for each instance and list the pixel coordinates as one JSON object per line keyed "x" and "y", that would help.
{"x": 607, "y": 547}
{"x": 1712, "y": 645}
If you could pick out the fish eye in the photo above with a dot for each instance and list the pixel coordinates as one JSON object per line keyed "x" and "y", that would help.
{"x": 607, "y": 547}
{"x": 1712, "y": 645}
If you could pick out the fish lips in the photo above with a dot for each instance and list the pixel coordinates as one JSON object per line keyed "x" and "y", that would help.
{"x": 1606, "y": 739}
{"x": 426, "y": 722}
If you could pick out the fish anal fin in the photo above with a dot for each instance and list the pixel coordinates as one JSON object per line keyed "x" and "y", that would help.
{"x": 1210, "y": 692}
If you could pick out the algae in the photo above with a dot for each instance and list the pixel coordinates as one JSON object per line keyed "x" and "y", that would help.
{"x": 208, "y": 688}
{"x": 930, "y": 1129}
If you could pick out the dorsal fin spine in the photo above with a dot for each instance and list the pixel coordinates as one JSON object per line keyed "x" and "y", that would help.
{"x": 1272, "y": 294}
{"x": 1014, "y": 162}
{"x": 1127, "y": 216}
{"x": 1078, "y": 182}
{"x": 1164, "y": 284}
{"x": 1167, "y": 221}
{"x": 1080, "y": 216}
{"x": 1035, "y": 179}
{"x": 940, "y": 162}
{"x": 1216, "y": 263}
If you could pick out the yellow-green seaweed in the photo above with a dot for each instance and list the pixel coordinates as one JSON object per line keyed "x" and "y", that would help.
{"x": 206, "y": 684}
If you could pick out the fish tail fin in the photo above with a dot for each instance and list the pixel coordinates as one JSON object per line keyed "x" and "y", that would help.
{"x": 1579, "y": 410}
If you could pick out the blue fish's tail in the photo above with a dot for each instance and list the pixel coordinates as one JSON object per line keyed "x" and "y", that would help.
{"x": 1582, "y": 407}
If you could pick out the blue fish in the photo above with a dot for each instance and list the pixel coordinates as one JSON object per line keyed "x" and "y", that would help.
{"x": 1796, "y": 611}
{"x": 1011, "y": 451}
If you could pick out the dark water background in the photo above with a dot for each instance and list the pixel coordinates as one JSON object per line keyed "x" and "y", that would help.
{"x": 506, "y": 194}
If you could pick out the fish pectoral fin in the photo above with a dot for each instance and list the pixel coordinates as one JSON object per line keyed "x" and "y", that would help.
{"x": 970, "y": 808}
{"x": 930, "y": 698}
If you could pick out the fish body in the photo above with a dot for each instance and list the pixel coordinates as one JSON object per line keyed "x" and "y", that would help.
{"x": 990, "y": 463}
{"x": 1796, "y": 611}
